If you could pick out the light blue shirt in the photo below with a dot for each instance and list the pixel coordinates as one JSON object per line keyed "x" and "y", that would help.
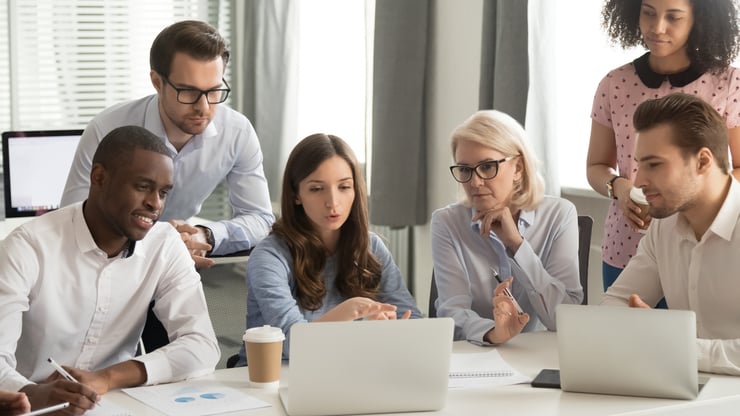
{"x": 545, "y": 268}
{"x": 228, "y": 148}
{"x": 271, "y": 285}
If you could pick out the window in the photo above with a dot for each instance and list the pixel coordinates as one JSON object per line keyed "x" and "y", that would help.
{"x": 335, "y": 77}
{"x": 61, "y": 63}
{"x": 584, "y": 58}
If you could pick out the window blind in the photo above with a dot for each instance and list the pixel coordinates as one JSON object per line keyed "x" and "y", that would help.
{"x": 61, "y": 63}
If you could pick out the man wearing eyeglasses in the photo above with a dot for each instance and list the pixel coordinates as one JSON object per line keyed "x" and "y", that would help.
{"x": 209, "y": 142}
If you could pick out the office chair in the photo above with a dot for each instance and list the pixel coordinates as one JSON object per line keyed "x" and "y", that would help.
{"x": 585, "y": 226}
{"x": 432, "y": 298}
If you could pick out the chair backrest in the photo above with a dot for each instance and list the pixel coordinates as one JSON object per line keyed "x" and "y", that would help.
{"x": 432, "y": 298}
{"x": 585, "y": 224}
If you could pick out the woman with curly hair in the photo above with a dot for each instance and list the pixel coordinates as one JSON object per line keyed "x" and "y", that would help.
{"x": 691, "y": 44}
{"x": 321, "y": 262}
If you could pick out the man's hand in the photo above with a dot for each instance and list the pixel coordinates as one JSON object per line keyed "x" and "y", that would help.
{"x": 195, "y": 240}
{"x": 81, "y": 398}
{"x": 635, "y": 301}
{"x": 13, "y": 403}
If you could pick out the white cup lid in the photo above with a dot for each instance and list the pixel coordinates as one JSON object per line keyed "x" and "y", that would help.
{"x": 265, "y": 333}
{"x": 638, "y": 196}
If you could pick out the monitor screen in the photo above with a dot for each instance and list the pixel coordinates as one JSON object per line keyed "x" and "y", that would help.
{"x": 35, "y": 169}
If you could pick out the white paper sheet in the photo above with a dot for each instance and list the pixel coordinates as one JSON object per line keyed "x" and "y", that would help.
{"x": 482, "y": 368}
{"x": 194, "y": 398}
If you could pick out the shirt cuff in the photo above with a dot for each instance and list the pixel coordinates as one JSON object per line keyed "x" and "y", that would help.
{"x": 158, "y": 369}
{"x": 704, "y": 354}
{"x": 14, "y": 382}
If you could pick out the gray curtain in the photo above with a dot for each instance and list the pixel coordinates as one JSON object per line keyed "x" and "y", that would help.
{"x": 504, "y": 64}
{"x": 398, "y": 194}
{"x": 264, "y": 65}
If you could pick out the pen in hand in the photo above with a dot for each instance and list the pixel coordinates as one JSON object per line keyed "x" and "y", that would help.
{"x": 63, "y": 372}
{"x": 507, "y": 292}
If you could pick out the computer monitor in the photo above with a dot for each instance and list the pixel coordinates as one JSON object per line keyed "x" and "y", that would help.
{"x": 35, "y": 169}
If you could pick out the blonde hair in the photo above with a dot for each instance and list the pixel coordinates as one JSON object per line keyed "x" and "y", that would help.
{"x": 500, "y": 132}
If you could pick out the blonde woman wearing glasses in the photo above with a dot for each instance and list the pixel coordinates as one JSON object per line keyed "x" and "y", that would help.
{"x": 504, "y": 226}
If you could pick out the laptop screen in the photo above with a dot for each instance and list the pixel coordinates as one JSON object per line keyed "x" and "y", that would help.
{"x": 35, "y": 169}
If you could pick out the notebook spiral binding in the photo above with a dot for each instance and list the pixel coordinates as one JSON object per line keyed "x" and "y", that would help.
{"x": 476, "y": 374}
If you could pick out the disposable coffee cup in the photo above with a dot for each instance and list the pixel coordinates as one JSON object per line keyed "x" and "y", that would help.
{"x": 638, "y": 197}
{"x": 264, "y": 345}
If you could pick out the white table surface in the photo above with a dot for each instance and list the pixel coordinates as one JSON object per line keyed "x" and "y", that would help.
{"x": 528, "y": 353}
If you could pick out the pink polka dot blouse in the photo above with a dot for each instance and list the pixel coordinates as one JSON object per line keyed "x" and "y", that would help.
{"x": 617, "y": 97}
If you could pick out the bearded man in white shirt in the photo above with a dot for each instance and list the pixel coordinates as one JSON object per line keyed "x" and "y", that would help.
{"x": 76, "y": 283}
{"x": 690, "y": 252}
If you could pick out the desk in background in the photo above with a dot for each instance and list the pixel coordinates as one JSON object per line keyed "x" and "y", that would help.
{"x": 9, "y": 224}
{"x": 528, "y": 353}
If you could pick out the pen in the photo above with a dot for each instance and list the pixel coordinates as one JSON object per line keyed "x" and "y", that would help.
{"x": 507, "y": 292}
{"x": 63, "y": 372}
{"x": 49, "y": 409}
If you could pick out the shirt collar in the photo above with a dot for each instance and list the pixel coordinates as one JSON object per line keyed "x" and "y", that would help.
{"x": 653, "y": 79}
{"x": 727, "y": 218}
{"x": 85, "y": 239}
{"x": 724, "y": 223}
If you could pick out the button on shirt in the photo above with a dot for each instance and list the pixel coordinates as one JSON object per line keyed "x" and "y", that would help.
{"x": 228, "y": 148}
{"x": 545, "y": 267}
{"x": 62, "y": 297}
{"x": 698, "y": 275}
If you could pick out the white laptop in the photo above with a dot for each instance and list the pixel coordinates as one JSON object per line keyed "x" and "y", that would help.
{"x": 342, "y": 368}
{"x": 628, "y": 351}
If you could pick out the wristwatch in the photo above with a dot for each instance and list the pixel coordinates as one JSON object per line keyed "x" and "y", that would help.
{"x": 209, "y": 236}
{"x": 610, "y": 187}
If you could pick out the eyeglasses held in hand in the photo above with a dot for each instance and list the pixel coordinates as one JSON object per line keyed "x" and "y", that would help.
{"x": 192, "y": 95}
{"x": 485, "y": 170}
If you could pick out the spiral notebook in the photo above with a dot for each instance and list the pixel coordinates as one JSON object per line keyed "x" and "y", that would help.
{"x": 469, "y": 369}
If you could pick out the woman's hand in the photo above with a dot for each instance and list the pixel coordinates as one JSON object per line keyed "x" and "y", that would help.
{"x": 630, "y": 210}
{"x": 508, "y": 323}
{"x": 500, "y": 221}
{"x": 361, "y": 308}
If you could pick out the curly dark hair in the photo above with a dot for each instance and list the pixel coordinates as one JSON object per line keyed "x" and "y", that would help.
{"x": 713, "y": 43}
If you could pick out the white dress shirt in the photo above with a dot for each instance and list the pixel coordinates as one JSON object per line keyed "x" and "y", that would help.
{"x": 545, "y": 267}
{"x": 228, "y": 148}
{"x": 62, "y": 297}
{"x": 701, "y": 276}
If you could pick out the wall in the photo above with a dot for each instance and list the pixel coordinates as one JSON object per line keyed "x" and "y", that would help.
{"x": 453, "y": 86}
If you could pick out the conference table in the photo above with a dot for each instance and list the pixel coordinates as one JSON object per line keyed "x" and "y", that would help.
{"x": 528, "y": 353}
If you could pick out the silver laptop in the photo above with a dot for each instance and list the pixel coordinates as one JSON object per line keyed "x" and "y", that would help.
{"x": 341, "y": 368}
{"x": 628, "y": 351}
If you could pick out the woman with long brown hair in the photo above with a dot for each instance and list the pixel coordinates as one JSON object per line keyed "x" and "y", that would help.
{"x": 321, "y": 262}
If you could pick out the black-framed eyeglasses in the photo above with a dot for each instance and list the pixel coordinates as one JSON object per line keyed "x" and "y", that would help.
{"x": 192, "y": 95}
{"x": 488, "y": 169}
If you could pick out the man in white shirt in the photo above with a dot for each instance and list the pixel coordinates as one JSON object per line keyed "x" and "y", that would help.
{"x": 690, "y": 252}
{"x": 76, "y": 283}
{"x": 210, "y": 143}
